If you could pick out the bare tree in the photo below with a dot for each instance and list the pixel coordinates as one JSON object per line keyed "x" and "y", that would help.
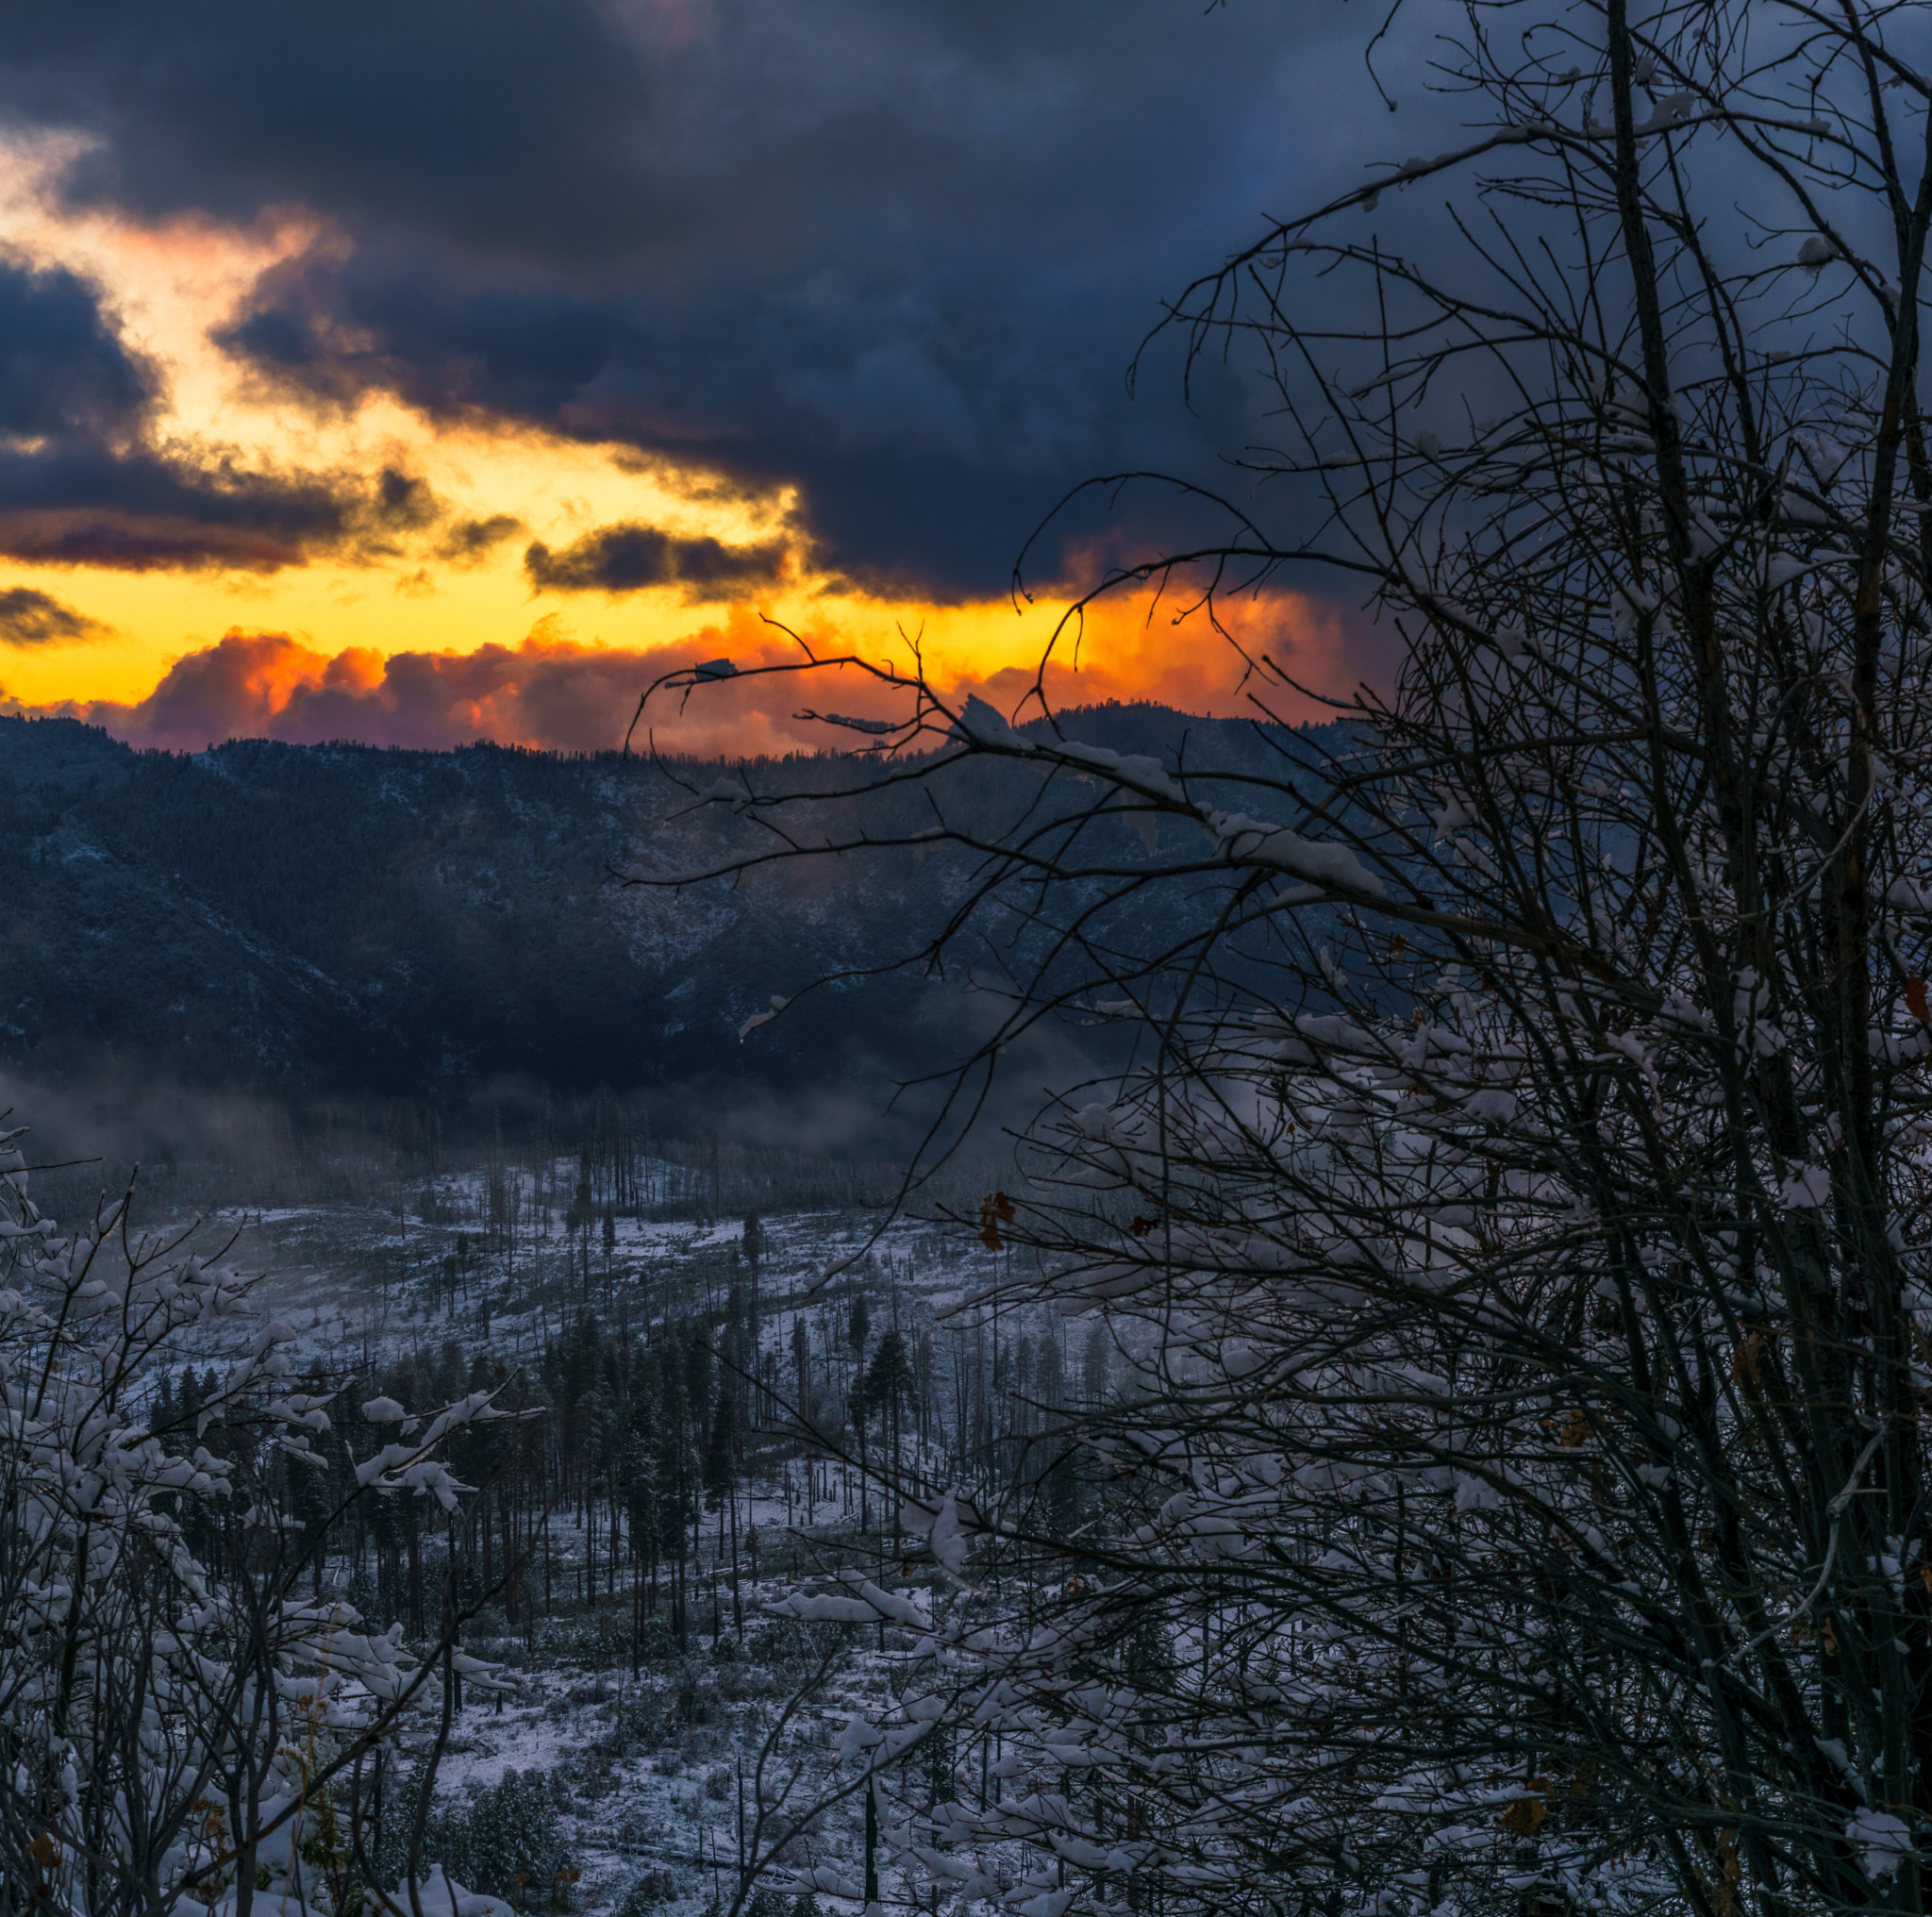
{"x": 182, "y": 1727}
{"x": 1513, "y": 1220}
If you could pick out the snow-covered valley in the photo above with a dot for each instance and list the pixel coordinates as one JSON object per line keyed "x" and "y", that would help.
{"x": 689, "y": 1457}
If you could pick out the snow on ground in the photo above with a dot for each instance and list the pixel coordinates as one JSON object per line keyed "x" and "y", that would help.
{"x": 642, "y": 1769}
{"x": 651, "y": 1767}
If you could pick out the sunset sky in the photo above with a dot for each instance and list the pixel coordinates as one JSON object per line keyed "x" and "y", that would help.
{"x": 426, "y": 372}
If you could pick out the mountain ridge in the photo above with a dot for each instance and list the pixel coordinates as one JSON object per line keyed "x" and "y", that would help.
{"x": 378, "y": 921}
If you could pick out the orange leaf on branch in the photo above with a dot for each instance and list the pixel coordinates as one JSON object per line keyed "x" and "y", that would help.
{"x": 994, "y": 1211}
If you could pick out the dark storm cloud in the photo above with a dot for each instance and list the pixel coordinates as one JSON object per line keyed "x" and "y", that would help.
{"x": 898, "y": 252}
{"x": 468, "y": 117}
{"x": 30, "y": 617}
{"x": 81, "y": 502}
{"x": 63, "y": 369}
{"x": 469, "y": 542}
{"x": 627, "y": 558}
{"x": 82, "y": 481}
{"x": 927, "y": 437}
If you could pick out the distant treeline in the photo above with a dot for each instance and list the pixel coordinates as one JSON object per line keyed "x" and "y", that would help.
{"x": 443, "y": 929}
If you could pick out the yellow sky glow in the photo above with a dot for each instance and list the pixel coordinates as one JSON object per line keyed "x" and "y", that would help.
{"x": 170, "y": 288}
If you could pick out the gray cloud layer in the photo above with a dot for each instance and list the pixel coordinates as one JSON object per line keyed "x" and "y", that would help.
{"x": 83, "y": 481}
{"x": 626, "y": 559}
{"x": 897, "y": 251}
{"x": 30, "y": 617}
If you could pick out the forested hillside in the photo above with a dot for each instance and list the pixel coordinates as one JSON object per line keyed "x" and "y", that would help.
{"x": 422, "y": 925}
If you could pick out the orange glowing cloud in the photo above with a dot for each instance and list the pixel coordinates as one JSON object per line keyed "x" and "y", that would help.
{"x": 396, "y": 612}
{"x": 553, "y": 692}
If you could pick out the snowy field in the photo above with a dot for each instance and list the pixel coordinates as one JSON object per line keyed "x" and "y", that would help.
{"x": 626, "y": 1752}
